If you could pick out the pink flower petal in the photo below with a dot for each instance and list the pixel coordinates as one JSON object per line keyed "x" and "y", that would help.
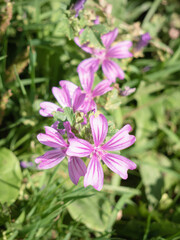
{"x": 47, "y": 108}
{"x": 69, "y": 85}
{"x": 77, "y": 168}
{"x": 86, "y": 77}
{"x": 112, "y": 70}
{"x": 79, "y": 148}
{"x": 118, "y": 164}
{"x": 94, "y": 175}
{"x": 127, "y": 91}
{"x": 51, "y": 138}
{"x": 102, "y": 88}
{"x": 78, "y": 99}
{"x": 120, "y": 140}
{"x": 55, "y": 125}
{"x": 67, "y": 127}
{"x": 120, "y": 50}
{"x": 99, "y": 128}
{"x": 84, "y": 47}
{"x": 96, "y": 21}
{"x": 89, "y": 63}
{"x": 62, "y": 96}
{"x": 88, "y": 105}
{"x": 50, "y": 159}
{"x": 108, "y": 38}
{"x": 85, "y": 120}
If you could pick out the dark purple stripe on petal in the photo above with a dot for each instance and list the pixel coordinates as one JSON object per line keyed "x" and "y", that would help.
{"x": 99, "y": 128}
{"x": 120, "y": 140}
{"x": 112, "y": 70}
{"x": 79, "y": 148}
{"x": 102, "y": 88}
{"x": 120, "y": 50}
{"x": 50, "y": 159}
{"x": 118, "y": 164}
{"x": 94, "y": 175}
{"x": 108, "y": 38}
{"x": 51, "y": 138}
{"x": 89, "y": 63}
{"x": 77, "y": 168}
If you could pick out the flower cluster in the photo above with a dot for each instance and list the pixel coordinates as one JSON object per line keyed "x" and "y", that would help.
{"x": 102, "y": 56}
{"x": 87, "y": 138}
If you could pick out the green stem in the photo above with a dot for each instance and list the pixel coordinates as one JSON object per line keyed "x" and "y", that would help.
{"x": 151, "y": 12}
{"x": 147, "y": 227}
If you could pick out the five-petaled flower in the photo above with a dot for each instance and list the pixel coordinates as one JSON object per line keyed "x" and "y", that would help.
{"x": 102, "y": 56}
{"x": 99, "y": 151}
{"x": 72, "y": 96}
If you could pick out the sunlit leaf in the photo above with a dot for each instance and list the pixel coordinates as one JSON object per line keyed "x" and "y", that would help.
{"x": 10, "y": 176}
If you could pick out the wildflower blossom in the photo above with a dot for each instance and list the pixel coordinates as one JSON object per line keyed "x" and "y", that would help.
{"x": 79, "y": 5}
{"x": 127, "y": 91}
{"x": 72, "y": 96}
{"x": 25, "y": 164}
{"x": 102, "y": 56}
{"x": 53, "y": 138}
{"x": 69, "y": 96}
{"x": 99, "y": 151}
{"x": 143, "y": 42}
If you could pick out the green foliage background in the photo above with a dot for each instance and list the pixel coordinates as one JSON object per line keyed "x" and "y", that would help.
{"x": 36, "y": 52}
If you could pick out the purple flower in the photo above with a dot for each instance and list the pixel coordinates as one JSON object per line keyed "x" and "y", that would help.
{"x": 69, "y": 96}
{"x": 72, "y": 96}
{"x": 96, "y": 21}
{"x": 79, "y": 5}
{"x": 53, "y": 138}
{"x": 127, "y": 91}
{"x": 25, "y": 164}
{"x": 87, "y": 79}
{"x": 145, "y": 38}
{"x": 102, "y": 56}
{"x": 99, "y": 151}
{"x": 66, "y": 129}
{"x": 146, "y": 69}
{"x": 47, "y": 108}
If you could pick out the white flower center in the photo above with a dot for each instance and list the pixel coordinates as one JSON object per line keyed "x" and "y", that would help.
{"x": 100, "y": 54}
{"x": 99, "y": 152}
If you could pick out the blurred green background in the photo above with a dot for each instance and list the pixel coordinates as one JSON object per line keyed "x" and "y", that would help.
{"x": 36, "y": 52}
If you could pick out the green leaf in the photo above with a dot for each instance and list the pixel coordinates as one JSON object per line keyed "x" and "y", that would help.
{"x": 152, "y": 177}
{"x": 64, "y": 28}
{"x": 119, "y": 205}
{"x": 113, "y": 100}
{"x": 174, "y": 138}
{"x": 2, "y": 58}
{"x": 69, "y": 115}
{"x": 59, "y": 116}
{"x": 118, "y": 8}
{"x": 151, "y": 11}
{"x": 88, "y": 36}
{"x": 99, "y": 29}
{"x": 10, "y": 176}
{"x": 93, "y": 211}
